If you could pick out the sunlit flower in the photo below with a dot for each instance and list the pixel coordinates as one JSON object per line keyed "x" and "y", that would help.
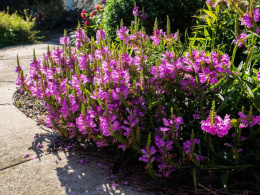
{"x": 83, "y": 14}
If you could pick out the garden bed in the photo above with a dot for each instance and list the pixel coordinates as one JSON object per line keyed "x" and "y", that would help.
{"x": 188, "y": 112}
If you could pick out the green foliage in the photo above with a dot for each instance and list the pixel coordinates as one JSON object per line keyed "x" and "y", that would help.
{"x": 14, "y": 30}
{"x": 219, "y": 27}
{"x": 48, "y": 14}
{"x": 180, "y": 13}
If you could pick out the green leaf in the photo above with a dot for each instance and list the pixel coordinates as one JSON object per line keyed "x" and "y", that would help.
{"x": 194, "y": 179}
{"x": 206, "y": 33}
{"x": 211, "y": 14}
{"x": 209, "y": 23}
{"x": 226, "y": 99}
{"x": 224, "y": 180}
{"x": 153, "y": 104}
{"x": 252, "y": 97}
{"x": 249, "y": 91}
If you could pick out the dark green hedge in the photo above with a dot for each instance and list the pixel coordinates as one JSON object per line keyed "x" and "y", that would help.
{"x": 179, "y": 11}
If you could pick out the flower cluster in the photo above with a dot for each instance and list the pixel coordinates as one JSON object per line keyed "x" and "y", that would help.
{"x": 241, "y": 39}
{"x": 249, "y": 19}
{"x": 216, "y": 125}
{"x": 136, "y": 13}
{"x": 141, "y": 94}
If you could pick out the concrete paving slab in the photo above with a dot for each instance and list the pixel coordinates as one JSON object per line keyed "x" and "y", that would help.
{"x": 16, "y": 136}
{"x": 7, "y": 90}
{"x": 44, "y": 176}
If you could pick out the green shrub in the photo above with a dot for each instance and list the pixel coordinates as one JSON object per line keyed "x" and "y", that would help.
{"x": 179, "y": 11}
{"x": 14, "y": 30}
{"x": 48, "y": 14}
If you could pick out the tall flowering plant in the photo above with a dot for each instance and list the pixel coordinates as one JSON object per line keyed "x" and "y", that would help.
{"x": 178, "y": 108}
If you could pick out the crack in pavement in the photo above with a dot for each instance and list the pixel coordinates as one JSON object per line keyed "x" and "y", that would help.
{"x": 24, "y": 161}
{"x": 7, "y": 81}
{"x": 10, "y": 166}
{"x": 6, "y": 104}
{"x": 23, "y": 58}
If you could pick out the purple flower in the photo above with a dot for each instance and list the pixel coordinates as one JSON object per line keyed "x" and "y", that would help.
{"x": 210, "y": 3}
{"x": 144, "y": 16}
{"x": 196, "y": 115}
{"x": 156, "y": 40}
{"x": 114, "y": 185}
{"x": 241, "y": 36}
{"x": 123, "y": 34}
{"x": 65, "y": 40}
{"x": 247, "y": 20}
{"x": 258, "y": 75}
{"x": 100, "y": 165}
{"x": 39, "y": 145}
{"x": 101, "y": 35}
{"x": 81, "y": 161}
{"x": 26, "y": 155}
{"x": 164, "y": 146}
{"x": 208, "y": 75}
{"x": 126, "y": 183}
{"x": 256, "y": 15}
{"x": 85, "y": 123}
{"x": 187, "y": 145}
{"x": 147, "y": 154}
{"x": 243, "y": 120}
{"x": 33, "y": 158}
{"x": 136, "y": 11}
{"x": 83, "y": 62}
{"x": 256, "y": 119}
{"x": 174, "y": 123}
{"x": 165, "y": 169}
{"x": 123, "y": 146}
{"x": 81, "y": 38}
{"x": 18, "y": 69}
{"x": 228, "y": 145}
{"x": 216, "y": 125}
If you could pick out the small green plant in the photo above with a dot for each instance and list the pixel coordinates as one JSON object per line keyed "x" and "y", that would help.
{"x": 14, "y": 30}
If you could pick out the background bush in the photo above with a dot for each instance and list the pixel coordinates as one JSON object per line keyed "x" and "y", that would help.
{"x": 179, "y": 11}
{"x": 49, "y": 14}
{"x": 14, "y": 30}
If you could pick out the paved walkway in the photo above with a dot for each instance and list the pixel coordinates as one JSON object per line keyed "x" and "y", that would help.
{"x": 19, "y": 175}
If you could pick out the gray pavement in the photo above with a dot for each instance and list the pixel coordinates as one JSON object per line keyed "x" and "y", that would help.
{"x": 19, "y": 175}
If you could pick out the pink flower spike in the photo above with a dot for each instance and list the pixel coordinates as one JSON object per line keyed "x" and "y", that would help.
{"x": 35, "y": 136}
{"x": 26, "y": 155}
